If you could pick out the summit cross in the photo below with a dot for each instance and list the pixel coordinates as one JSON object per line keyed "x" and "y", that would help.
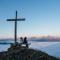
{"x": 15, "y": 20}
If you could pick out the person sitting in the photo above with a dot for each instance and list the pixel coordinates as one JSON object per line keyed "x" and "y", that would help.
{"x": 21, "y": 39}
{"x": 25, "y": 42}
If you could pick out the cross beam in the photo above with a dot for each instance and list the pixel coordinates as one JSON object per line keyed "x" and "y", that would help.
{"x": 15, "y": 20}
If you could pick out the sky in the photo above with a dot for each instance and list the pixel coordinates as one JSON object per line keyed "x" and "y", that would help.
{"x": 42, "y": 17}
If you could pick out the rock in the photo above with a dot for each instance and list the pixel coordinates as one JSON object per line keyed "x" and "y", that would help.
{"x": 23, "y": 53}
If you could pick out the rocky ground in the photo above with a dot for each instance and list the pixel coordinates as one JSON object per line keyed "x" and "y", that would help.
{"x": 24, "y": 53}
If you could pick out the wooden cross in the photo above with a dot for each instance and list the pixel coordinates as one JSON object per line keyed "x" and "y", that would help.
{"x": 15, "y": 20}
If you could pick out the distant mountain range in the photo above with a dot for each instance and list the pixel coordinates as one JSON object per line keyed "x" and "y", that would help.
{"x": 38, "y": 39}
{"x": 45, "y": 39}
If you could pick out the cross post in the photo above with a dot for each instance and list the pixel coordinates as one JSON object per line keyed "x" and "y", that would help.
{"x": 15, "y": 20}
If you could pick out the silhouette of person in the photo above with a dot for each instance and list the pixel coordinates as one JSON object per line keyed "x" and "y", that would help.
{"x": 25, "y": 41}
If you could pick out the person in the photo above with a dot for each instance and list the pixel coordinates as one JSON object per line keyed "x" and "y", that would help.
{"x": 21, "y": 39}
{"x": 25, "y": 42}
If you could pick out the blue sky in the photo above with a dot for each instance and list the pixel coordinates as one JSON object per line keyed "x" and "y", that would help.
{"x": 42, "y": 17}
